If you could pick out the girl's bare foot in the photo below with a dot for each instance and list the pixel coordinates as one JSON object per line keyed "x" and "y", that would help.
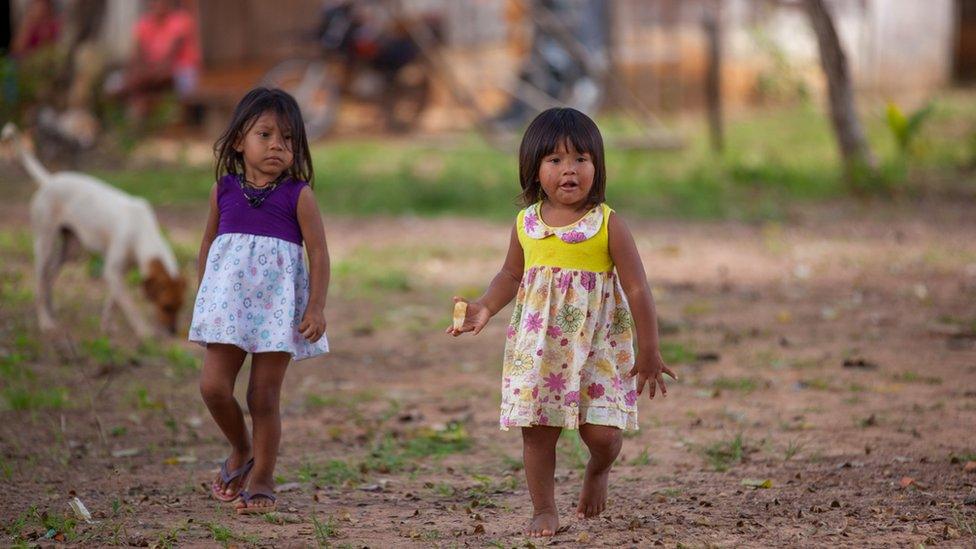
{"x": 543, "y": 524}
{"x": 593, "y": 498}
{"x": 261, "y": 498}
{"x": 235, "y": 462}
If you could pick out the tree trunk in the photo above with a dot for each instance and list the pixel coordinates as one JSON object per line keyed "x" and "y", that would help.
{"x": 713, "y": 77}
{"x": 859, "y": 163}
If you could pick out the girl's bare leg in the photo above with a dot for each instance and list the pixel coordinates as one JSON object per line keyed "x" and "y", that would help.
{"x": 263, "y": 398}
{"x": 221, "y": 364}
{"x": 604, "y": 444}
{"x": 539, "y": 456}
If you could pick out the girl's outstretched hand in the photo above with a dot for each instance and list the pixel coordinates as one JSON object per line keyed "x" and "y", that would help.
{"x": 312, "y": 326}
{"x": 650, "y": 368}
{"x": 476, "y": 316}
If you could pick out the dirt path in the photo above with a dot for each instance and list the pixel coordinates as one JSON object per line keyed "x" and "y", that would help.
{"x": 391, "y": 441}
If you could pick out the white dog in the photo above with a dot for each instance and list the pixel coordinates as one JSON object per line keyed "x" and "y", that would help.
{"x": 72, "y": 209}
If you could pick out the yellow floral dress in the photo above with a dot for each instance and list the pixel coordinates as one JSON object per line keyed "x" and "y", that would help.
{"x": 569, "y": 345}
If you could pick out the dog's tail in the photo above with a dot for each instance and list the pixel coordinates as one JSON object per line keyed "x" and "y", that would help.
{"x": 33, "y": 166}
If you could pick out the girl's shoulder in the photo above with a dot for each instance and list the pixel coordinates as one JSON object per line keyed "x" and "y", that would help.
{"x": 226, "y": 182}
{"x": 295, "y": 185}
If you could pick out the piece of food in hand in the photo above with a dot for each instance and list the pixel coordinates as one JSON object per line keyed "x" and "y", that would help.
{"x": 460, "y": 308}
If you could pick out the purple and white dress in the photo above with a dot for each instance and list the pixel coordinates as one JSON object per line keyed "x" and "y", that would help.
{"x": 255, "y": 287}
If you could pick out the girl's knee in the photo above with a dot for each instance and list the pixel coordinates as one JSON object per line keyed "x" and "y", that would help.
{"x": 601, "y": 437}
{"x": 262, "y": 402}
{"x": 214, "y": 392}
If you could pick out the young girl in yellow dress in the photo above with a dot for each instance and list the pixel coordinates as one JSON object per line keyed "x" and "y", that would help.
{"x": 581, "y": 298}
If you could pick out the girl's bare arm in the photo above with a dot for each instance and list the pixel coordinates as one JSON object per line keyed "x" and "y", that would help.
{"x": 633, "y": 279}
{"x": 313, "y": 322}
{"x": 648, "y": 365}
{"x": 209, "y": 234}
{"x": 313, "y": 232}
{"x": 503, "y": 288}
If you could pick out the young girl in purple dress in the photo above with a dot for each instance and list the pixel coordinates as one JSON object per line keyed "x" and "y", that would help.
{"x": 255, "y": 294}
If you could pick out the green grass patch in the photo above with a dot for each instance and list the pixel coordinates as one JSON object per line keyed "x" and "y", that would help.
{"x": 15, "y": 291}
{"x": 171, "y": 538}
{"x": 142, "y": 400}
{"x": 914, "y": 377}
{"x": 669, "y": 492}
{"x": 350, "y": 401}
{"x": 642, "y": 459}
{"x": 773, "y": 157}
{"x": 178, "y": 360}
{"x": 390, "y": 455}
{"x": 740, "y": 384}
{"x": 20, "y": 397}
{"x": 486, "y": 487}
{"x": 324, "y": 530}
{"x": 723, "y": 454}
{"x": 224, "y": 535}
{"x": 964, "y": 522}
{"x": 963, "y": 457}
{"x": 17, "y": 524}
{"x": 674, "y": 352}
{"x": 14, "y": 367}
{"x": 792, "y": 449}
{"x": 443, "y": 489}
{"x": 365, "y": 277}
{"x": 334, "y": 472}
{"x": 52, "y": 524}
{"x": 102, "y": 351}
{"x": 452, "y": 439}
{"x": 313, "y": 401}
{"x": 817, "y": 384}
{"x": 512, "y": 463}
{"x": 385, "y": 457}
{"x": 572, "y": 449}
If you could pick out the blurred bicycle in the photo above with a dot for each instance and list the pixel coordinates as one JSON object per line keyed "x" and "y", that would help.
{"x": 366, "y": 52}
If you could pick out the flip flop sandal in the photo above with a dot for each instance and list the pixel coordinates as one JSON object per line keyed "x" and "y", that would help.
{"x": 229, "y": 476}
{"x": 246, "y": 498}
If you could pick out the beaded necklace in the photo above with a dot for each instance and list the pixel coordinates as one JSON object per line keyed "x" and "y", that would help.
{"x": 256, "y": 195}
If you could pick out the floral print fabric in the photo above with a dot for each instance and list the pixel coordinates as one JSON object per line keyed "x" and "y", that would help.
{"x": 569, "y": 344}
{"x": 253, "y": 295}
{"x": 585, "y": 228}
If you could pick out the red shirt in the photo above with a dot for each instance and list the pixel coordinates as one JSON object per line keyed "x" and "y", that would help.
{"x": 156, "y": 38}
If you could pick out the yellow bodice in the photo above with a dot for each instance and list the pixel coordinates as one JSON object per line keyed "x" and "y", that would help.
{"x": 582, "y": 245}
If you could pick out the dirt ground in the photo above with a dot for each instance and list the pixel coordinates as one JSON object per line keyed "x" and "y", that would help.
{"x": 827, "y": 397}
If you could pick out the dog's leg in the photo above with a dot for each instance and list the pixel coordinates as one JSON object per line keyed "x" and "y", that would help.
{"x": 47, "y": 261}
{"x": 107, "y": 312}
{"x": 114, "y": 274}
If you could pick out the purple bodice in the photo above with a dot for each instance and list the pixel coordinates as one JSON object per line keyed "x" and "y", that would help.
{"x": 276, "y": 217}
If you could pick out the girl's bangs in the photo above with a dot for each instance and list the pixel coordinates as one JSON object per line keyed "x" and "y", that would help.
{"x": 566, "y": 131}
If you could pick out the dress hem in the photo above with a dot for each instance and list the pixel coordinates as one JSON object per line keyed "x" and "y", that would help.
{"x": 567, "y": 417}
{"x": 295, "y": 357}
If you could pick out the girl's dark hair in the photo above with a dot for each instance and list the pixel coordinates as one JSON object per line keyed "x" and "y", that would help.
{"x": 550, "y": 129}
{"x": 255, "y": 103}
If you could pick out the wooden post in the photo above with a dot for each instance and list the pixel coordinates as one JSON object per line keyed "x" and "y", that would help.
{"x": 713, "y": 76}
{"x": 858, "y": 161}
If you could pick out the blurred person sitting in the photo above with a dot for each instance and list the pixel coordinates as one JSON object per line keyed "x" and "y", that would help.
{"x": 39, "y": 27}
{"x": 167, "y": 58}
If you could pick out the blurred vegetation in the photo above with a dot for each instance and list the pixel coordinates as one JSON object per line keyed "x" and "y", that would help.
{"x": 26, "y": 82}
{"x": 905, "y": 128}
{"x": 774, "y": 158}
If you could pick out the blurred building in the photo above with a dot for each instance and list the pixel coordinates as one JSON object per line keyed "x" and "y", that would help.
{"x": 770, "y": 51}
{"x": 657, "y": 47}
